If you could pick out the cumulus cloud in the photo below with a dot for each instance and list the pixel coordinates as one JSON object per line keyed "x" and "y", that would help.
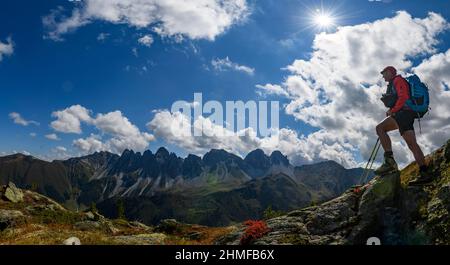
{"x": 337, "y": 90}
{"x": 91, "y": 144}
{"x": 18, "y": 119}
{"x": 226, "y": 64}
{"x": 146, "y": 40}
{"x": 52, "y": 136}
{"x": 176, "y": 128}
{"x": 125, "y": 135}
{"x": 435, "y": 72}
{"x": 6, "y": 49}
{"x": 195, "y": 19}
{"x": 269, "y": 89}
{"x": 69, "y": 120}
{"x": 116, "y": 132}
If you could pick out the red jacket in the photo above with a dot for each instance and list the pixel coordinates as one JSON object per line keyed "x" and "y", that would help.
{"x": 402, "y": 88}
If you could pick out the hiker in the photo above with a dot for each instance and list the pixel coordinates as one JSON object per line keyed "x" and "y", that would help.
{"x": 400, "y": 117}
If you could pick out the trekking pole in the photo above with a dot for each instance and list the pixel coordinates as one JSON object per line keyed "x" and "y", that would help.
{"x": 370, "y": 167}
{"x": 375, "y": 148}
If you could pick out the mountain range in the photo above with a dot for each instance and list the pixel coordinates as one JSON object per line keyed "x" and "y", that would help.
{"x": 217, "y": 189}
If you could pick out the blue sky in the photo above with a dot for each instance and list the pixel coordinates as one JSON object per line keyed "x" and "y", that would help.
{"x": 100, "y": 65}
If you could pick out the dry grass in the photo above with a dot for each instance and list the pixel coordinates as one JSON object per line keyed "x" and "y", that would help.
{"x": 208, "y": 235}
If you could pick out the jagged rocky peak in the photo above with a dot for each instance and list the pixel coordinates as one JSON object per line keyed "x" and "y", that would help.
{"x": 147, "y": 153}
{"x": 162, "y": 154}
{"x": 329, "y": 166}
{"x": 215, "y": 156}
{"x": 278, "y": 158}
{"x": 192, "y": 166}
{"x": 257, "y": 158}
{"x": 127, "y": 153}
{"x": 330, "y": 163}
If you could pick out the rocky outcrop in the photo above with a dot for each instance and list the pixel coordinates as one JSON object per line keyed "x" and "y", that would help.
{"x": 386, "y": 208}
{"x": 11, "y": 218}
{"x": 40, "y": 220}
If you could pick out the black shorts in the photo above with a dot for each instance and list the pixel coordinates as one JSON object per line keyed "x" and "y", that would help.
{"x": 405, "y": 120}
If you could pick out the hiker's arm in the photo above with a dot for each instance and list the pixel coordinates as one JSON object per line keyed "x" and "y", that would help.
{"x": 402, "y": 91}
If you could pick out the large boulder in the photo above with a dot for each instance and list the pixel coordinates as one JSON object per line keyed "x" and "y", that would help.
{"x": 381, "y": 193}
{"x": 13, "y": 194}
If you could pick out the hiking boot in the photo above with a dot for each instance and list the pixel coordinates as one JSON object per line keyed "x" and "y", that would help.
{"x": 425, "y": 177}
{"x": 389, "y": 166}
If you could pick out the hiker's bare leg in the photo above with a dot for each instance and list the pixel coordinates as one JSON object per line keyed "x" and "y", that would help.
{"x": 410, "y": 138}
{"x": 388, "y": 124}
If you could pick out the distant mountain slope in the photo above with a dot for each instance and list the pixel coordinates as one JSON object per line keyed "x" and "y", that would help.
{"x": 219, "y": 180}
{"x": 327, "y": 179}
{"x": 215, "y": 208}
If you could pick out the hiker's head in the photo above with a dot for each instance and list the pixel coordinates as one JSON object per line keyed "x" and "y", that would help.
{"x": 389, "y": 73}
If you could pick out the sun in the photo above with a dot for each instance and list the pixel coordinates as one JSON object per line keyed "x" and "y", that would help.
{"x": 320, "y": 18}
{"x": 323, "y": 20}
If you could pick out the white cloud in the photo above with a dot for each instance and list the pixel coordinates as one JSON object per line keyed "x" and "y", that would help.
{"x": 58, "y": 24}
{"x": 125, "y": 135}
{"x": 61, "y": 148}
{"x": 135, "y": 52}
{"x": 69, "y": 120}
{"x": 18, "y": 119}
{"x": 146, "y": 40}
{"x": 57, "y": 153}
{"x": 103, "y": 36}
{"x": 117, "y": 132}
{"x": 32, "y": 134}
{"x": 270, "y": 89}
{"x": 337, "y": 90}
{"x": 6, "y": 49}
{"x": 195, "y": 19}
{"x": 226, "y": 64}
{"x": 435, "y": 71}
{"x": 90, "y": 144}
{"x": 175, "y": 129}
{"x": 52, "y": 136}
{"x": 381, "y": 1}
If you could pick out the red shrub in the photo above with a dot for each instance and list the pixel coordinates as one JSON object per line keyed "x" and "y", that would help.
{"x": 254, "y": 230}
{"x": 357, "y": 190}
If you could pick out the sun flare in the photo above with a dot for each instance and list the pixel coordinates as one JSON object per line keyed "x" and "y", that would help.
{"x": 323, "y": 20}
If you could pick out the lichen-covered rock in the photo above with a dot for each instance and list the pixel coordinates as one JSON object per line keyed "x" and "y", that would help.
{"x": 382, "y": 192}
{"x": 139, "y": 225}
{"x": 13, "y": 194}
{"x": 11, "y": 218}
{"x": 87, "y": 225}
{"x": 169, "y": 226}
{"x": 90, "y": 216}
